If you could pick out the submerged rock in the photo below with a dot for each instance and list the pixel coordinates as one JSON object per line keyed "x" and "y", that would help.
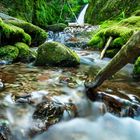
{"x": 54, "y": 53}
{"x": 52, "y": 111}
{"x": 5, "y": 133}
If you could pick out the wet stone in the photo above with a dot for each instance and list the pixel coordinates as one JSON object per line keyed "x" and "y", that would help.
{"x": 1, "y": 85}
{"x": 4, "y": 130}
{"x": 51, "y": 111}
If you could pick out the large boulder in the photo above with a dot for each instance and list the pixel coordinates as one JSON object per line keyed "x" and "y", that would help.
{"x": 57, "y": 54}
{"x": 11, "y": 34}
{"x": 37, "y": 34}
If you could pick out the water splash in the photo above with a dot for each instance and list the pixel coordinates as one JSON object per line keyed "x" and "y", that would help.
{"x": 104, "y": 128}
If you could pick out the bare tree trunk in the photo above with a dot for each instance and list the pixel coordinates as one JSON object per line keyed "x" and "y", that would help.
{"x": 127, "y": 54}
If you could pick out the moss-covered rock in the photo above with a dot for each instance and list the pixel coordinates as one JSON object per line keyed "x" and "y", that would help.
{"x": 120, "y": 31}
{"x": 101, "y": 10}
{"x": 11, "y": 34}
{"x": 24, "y": 51}
{"x": 56, "y": 27}
{"x": 57, "y": 54}
{"x": 9, "y": 53}
{"x": 136, "y": 70}
{"x": 38, "y": 35}
{"x": 132, "y": 22}
{"x": 120, "y": 36}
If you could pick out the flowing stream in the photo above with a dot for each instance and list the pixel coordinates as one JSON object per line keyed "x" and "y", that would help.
{"x": 114, "y": 114}
{"x": 64, "y": 85}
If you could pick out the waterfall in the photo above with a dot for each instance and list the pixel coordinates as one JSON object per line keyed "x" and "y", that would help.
{"x": 80, "y": 19}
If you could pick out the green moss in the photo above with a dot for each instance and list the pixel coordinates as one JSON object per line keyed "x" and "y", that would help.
{"x": 101, "y": 10}
{"x": 22, "y": 9}
{"x": 54, "y": 53}
{"x": 108, "y": 23}
{"x": 38, "y": 35}
{"x": 56, "y": 27}
{"x": 42, "y": 12}
{"x": 136, "y": 70}
{"x": 11, "y": 34}
{"x": 132, "y": 22}
{"x": 97, "y": 41}
{"x": 24, "y": 51}
{"x": 120, "y": 36}
{"x": 9, "y": 53}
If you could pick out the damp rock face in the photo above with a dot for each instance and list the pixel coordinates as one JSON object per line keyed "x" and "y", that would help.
{"x": 56, "y": 54}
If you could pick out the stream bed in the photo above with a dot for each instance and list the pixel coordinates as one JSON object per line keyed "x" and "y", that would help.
{"x": 50, "y": 102}
{"x": 66, "y": 85}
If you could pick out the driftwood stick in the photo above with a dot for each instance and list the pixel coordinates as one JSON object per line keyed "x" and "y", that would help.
{"x": 106, "y": 47}
{"x": 128, "y": 53}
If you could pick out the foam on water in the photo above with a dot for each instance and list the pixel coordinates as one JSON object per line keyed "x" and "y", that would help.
{"x": 104, "y": 128}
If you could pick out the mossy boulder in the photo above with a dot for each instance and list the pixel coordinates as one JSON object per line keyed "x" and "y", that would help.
{"x": 8, "y": 53}
{"x": 132, "y": 22}
{"x": 24, "y": 51}
{"x": 11, "y": 34}
{"x": 136, "y": 70}
{"x": 120, "y": 31}
{"x": 120, "y": 36}
{"x": 56, "y": 27}
{"x": 38, "y": 35}
{"x": 56, "y": 54}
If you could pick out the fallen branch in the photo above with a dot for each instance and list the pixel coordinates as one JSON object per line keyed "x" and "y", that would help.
{"x": 106, "y": 46}
{"x": 128, "y": 53}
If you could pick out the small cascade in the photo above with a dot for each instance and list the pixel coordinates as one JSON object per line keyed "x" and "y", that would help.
{"x": 81, "y": 16}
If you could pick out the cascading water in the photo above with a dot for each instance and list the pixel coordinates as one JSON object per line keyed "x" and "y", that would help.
{"x": 81, "y": 16}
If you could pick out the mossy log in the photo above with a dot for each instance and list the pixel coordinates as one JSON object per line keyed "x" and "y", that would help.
{"x": 128, "y": 53}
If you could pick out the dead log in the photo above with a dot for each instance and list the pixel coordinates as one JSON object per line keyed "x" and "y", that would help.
{"x": 106, "y": 47}
{"x": 128, "y": 53}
